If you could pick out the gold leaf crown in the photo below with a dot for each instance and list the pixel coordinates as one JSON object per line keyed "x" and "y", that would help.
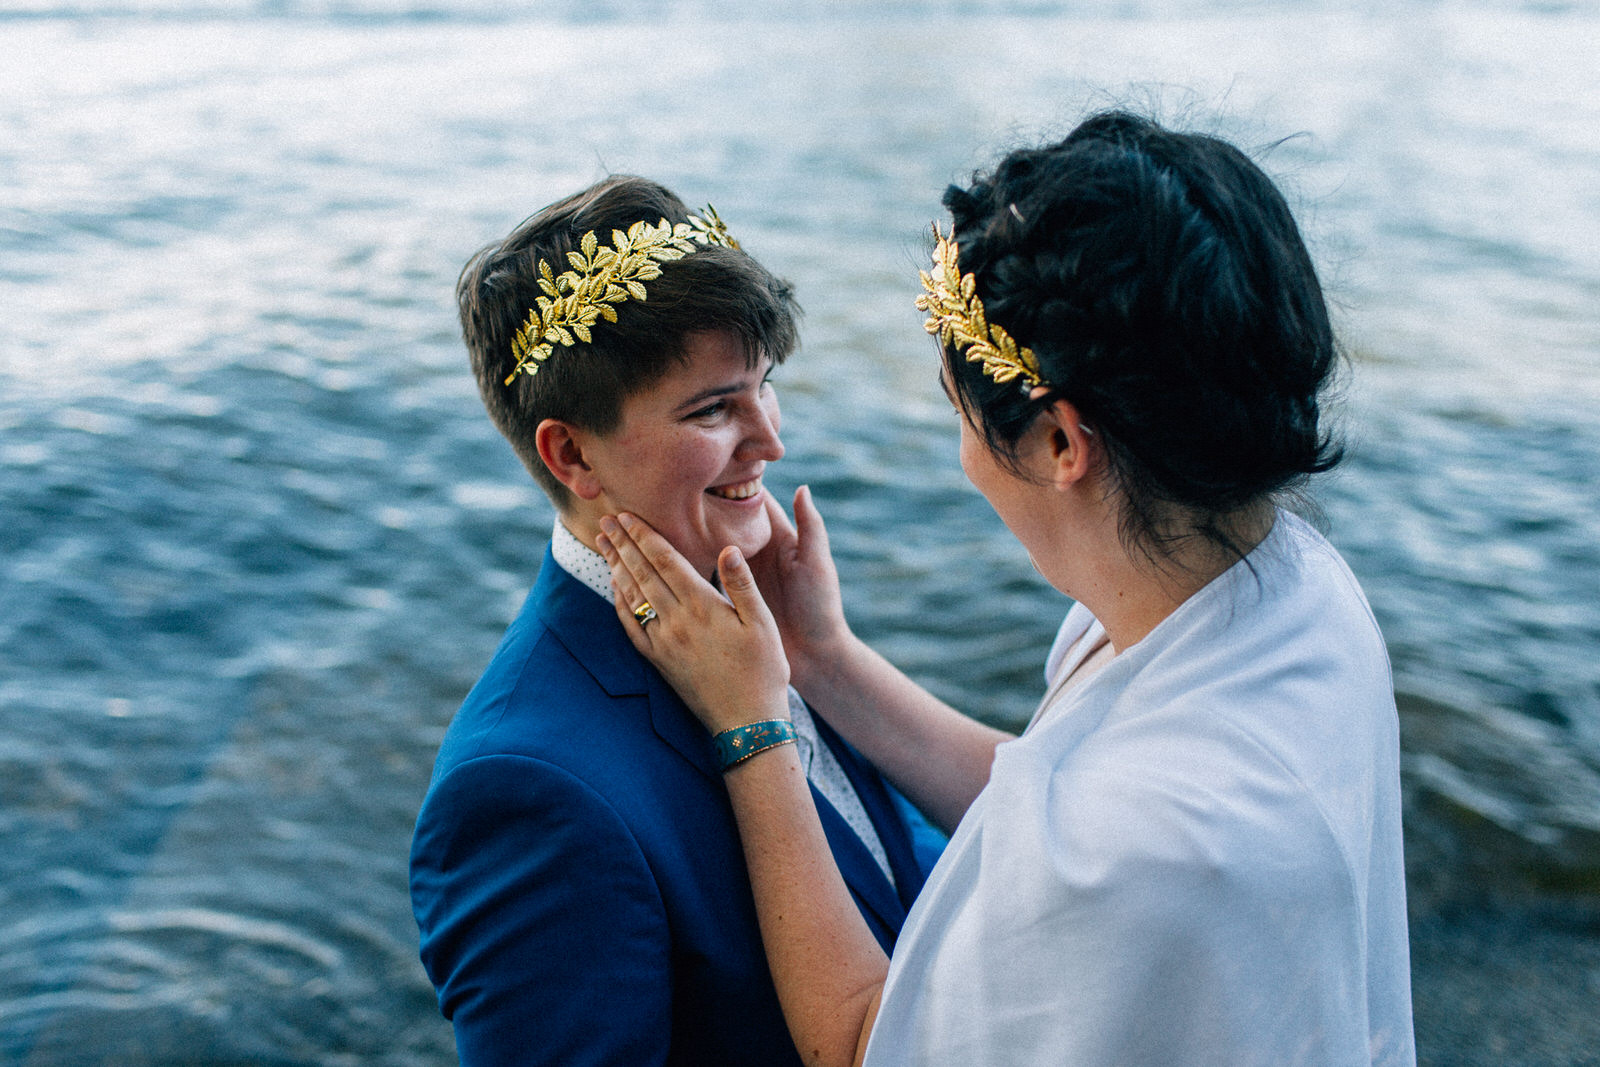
{"x": 956, "y": 317}
{"x": 602, "y": 278}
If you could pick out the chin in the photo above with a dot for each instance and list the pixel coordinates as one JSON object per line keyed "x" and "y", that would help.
{"x": 755, "y": 540}
{"x": 748, "y": 541}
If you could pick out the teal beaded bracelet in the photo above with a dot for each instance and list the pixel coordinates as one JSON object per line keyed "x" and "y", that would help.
{"x": 742, "y": 742}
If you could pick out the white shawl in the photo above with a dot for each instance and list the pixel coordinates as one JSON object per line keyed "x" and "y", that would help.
{"x": 1194, "y": 858}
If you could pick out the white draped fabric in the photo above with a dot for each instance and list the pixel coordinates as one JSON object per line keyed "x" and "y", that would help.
{"x": 1193, "y": 858}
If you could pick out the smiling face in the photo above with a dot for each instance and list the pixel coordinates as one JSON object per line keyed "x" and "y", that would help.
{"x": 689, "y": 452}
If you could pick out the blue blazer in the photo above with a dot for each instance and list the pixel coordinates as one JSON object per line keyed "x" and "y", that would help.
{"x": 576, "y": 872}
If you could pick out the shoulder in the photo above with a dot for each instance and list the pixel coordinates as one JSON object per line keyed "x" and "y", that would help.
{"x": 1074, "y": 628}
{"x": 518, "y": 812}
{"x": 539, "y": 697}
{"x": 1204, "y": 811}
{"x": 1303, "y": 577}
{"x": 513, "y": 784}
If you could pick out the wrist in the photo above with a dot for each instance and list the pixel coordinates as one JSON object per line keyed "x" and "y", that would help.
{"x": 820, "y": 662}
{"x": 817, "y": 659}
{"x": 739, "y": 743}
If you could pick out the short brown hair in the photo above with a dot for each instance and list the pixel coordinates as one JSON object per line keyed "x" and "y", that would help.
{"x": 714, "y": 288}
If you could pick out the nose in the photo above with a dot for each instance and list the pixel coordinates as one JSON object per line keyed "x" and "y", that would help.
{"x": 761, "y": 439}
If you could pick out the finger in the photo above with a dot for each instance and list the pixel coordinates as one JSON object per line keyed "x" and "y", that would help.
{"x": 782, "y": 529}
{"x": 625, "y": 596}
{"x": 661, "y": 571}
{"x": 740, "y": 586}
{"x": 627, "y": 590}
{"x": 635, "y": 563}
{"x": 812, "y": 533}
{"x": 638, "y": 633}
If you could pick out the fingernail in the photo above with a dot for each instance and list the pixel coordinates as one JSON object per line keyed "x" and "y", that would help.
{"x": 608, "y": 524}
{"x": 628, "y": 521}
{"x": 603, "y": 543}
{"x": 735, "y": 557}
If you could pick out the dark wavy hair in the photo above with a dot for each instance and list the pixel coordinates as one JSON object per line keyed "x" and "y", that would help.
{"x": 714, "y": 288}
{"x": 1161, "y": 281}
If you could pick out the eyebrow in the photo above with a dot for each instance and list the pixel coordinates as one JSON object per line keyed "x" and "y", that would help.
{"x": 713, "y": 393}
{"x": 726, "y": 389}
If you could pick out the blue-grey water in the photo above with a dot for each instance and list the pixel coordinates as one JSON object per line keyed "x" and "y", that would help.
{"x": 257, "y": 538}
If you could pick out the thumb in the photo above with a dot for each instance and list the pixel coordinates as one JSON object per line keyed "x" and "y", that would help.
{"x": 740, "y": 585}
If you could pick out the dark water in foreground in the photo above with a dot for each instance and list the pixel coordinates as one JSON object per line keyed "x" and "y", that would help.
{"x": 256, "y": 538}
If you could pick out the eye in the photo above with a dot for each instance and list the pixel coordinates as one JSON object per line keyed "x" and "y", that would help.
{"x": 710, "y": 411}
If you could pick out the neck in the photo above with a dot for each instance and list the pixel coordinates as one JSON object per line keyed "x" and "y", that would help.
{"x": 584, "y": 524}
{"x": 581, "y": 525}
{"x": 1132, "y": 592}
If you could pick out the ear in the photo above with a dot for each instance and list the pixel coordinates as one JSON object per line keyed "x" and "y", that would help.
{"x": 1071, "y": 444}
{"x": 561, "y": 447}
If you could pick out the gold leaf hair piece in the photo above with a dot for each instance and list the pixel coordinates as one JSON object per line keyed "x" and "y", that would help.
{"x": 956, "y": 317}
{"x": 603, "y": 277}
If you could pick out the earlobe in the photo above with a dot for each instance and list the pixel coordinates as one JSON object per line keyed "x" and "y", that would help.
{"x": 561, "y": 447}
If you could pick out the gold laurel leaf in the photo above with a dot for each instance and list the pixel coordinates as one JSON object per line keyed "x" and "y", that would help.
{"x": 600, "y": 278}
{"x": 957, "y": 316}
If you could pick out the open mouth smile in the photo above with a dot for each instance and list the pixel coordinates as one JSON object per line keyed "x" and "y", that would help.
{"x": 737, "y": 490}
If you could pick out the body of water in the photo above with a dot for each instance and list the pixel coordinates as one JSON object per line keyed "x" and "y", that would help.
{"x": 257, "y": 537}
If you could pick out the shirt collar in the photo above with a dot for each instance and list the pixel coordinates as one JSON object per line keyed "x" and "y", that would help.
{"x": 581, "y": 561}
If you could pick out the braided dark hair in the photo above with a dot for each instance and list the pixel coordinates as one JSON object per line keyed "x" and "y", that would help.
{"x": 1161, "y": 281}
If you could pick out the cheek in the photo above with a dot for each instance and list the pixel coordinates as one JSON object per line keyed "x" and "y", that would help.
{"x": 970, "y": 448}
{"x": 687, "y": 472}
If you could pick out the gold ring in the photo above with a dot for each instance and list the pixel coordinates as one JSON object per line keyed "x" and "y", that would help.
{"x": 644, "y": 613}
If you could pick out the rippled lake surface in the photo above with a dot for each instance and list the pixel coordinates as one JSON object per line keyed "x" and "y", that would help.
{"x": 257, "y": 538}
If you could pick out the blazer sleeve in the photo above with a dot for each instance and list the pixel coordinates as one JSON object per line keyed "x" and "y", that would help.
{"x": 542, "y": 928}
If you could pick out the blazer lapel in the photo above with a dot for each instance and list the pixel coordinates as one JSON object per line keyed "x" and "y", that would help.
{"x": 587, "y": 625}
{"x": 892, "y": 832}
{"x": 861, "y": 872}
{"x": 676, "y": 725}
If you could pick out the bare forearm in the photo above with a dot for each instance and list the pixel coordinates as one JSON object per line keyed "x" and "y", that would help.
{"x": 935, "y": 755}
{"x": 826, "y": 965}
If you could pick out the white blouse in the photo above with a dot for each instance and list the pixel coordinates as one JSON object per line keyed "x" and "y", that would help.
{"x": 1191, "y": 858}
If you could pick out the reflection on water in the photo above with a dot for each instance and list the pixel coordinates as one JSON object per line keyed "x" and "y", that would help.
{"x": 258, "y": 539}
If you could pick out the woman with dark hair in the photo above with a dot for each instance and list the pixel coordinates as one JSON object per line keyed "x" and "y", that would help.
{"x": 1193, "y": 853}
